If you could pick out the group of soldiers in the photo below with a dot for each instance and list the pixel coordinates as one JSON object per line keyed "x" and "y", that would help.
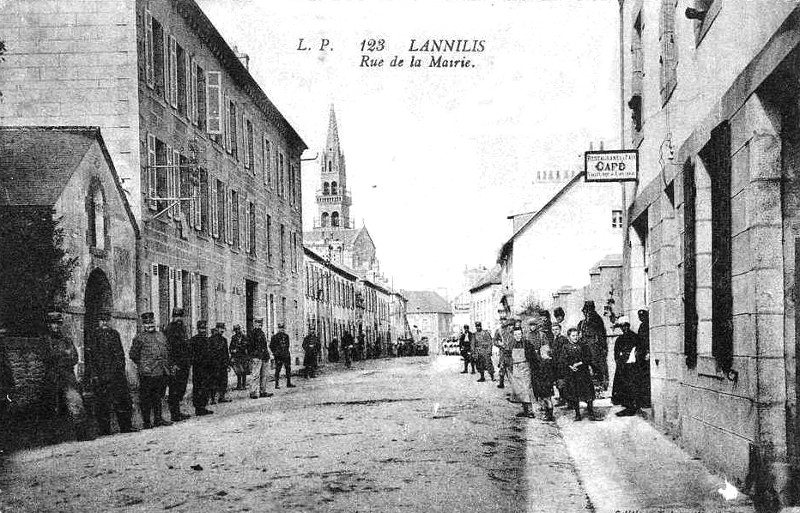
{"x": 541, "y": 362}
{"x": 164, "y": 361}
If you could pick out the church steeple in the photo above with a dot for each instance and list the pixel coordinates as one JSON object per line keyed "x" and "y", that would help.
{"x": 333, "y": 197}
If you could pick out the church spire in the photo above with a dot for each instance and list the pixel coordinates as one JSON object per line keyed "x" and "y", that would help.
{"x": 333, "y": 133}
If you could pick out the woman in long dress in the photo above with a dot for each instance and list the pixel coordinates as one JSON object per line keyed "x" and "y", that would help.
{"x": 576, "y": 359}
{"x": 519, "y": 375}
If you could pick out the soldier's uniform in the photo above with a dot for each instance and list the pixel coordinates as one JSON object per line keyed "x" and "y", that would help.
{"x": 202, "y": 370}
{"x": 180, "y": 355}
{"x": 63, "y": 358}
{"x": 220, "y": 361}
{"x": 259, "y": 351}
{"x": 279, "y": 345}
{"x": 105, "y": 374}
{"x": 465, "y": 346}
{"x": 483, "y": 352}
{"x": 504, "y": 340}
{"x": 150, "y": 354}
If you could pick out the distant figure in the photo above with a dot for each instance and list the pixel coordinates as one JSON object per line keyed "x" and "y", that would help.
{"x": 259, "y": 352}
{"x": 311, "y": 345}
{"x": 150, "y": 354}
{"x": 279, "y": 345}
{"x": 221, "y": 360}
{"x": 240, "y": 358}
{"x": 202, "y": 370}
{"x": 593, "y": 334}
{"x": 180, "y": 353}
{"x": 105, "y": 375}
{"x": 333, "y": 351}
{"x": 347, "y": 348}
{"x": 466, "y": 343}
{"x": 483, "y": 352}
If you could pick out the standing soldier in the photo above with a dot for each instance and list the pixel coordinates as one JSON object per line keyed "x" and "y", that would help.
{"x": 310, "y": 346}
{"x": 202, "y": 370}
{"x": 465, "y": 345}
{"x": 279, "y": 345}
{"x": 180, "y": 354}
{"x": 483, "y": 351}
{"x": 64, "y": 357}
{"x": 105, "y": 374}
{"x": 347, "y": 348}
{"x": 240, "y": 359}
{"x": 220, "y": 360}
{"x": 504, "y": 340}
{"x": 150, "y": 354}
{"x": 259, "y": 352}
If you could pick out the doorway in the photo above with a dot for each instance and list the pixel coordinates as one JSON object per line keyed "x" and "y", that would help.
{"x": 97, "y": 297}
{"x": 249, "y": 304}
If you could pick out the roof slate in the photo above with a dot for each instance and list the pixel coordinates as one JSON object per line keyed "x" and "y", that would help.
{"x": 37, "y": 162}
{"x": 426, "y": 301}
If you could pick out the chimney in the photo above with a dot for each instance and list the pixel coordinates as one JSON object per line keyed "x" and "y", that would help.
{"x": 243, "y": 57}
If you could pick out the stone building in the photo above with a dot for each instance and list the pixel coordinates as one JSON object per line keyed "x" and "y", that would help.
{"x": 429, "y": 315}
{"x": 559, "y": 243}
{"x": 486, "y": 297}
{"x": 710, "y": 96}
{"x": 210, "y": 166}
{"x": 70, "y": 170}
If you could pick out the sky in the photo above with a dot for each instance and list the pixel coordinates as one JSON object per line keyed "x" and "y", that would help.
{"x": 437, "y": 158}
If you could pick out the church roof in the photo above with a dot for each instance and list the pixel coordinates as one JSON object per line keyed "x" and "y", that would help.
{"x": 426, "y": 301}
{"x": 347, "y": 236}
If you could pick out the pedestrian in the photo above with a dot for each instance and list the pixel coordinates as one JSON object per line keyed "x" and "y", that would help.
{"x": 279, "y": 345}
{"x": 577, "y": 362}
{"x": 105, "y": 374}
{"x": 259, "y": 352}
{"x": 360, "y": 347}
{"x": 504, "y": 341}
{"x": 644, "y": 361}
{"x": 180, "y": 353}
{"x": 519, "y": 375}
{"x": 150, "y": 354}
{"x": 559, "y": 341}
{"x": 483, "y": 351}
{"x": 221, "y": 361}
{"x": 465, "y": 346}
{"x": 559, "y": 315}
{"x": 593, "y": 334}
{"x": 311, "y": 346}
{"x": 625, "y": 391}
{"x": 347, "y": 348}
{"x": 63, "y": 358}
{"x": 333, "y": 351}
{"x": 240, "y": 358}
{"x": 542, "y": 372}
{"x": 202, "y": 370}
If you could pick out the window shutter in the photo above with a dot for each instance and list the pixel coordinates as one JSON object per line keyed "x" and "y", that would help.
{"x": 246, "y": 143}
{"x": 171, "y": 291}
{"x": 214, "y": 214}
{"x": 154, "y": 306}
{"x": 228, "y": 228}
{"x": 193, "y": 91}
{"x": 168, "y": 173}
{"x": 151, "y": 171}
{"x": 214, "y": 102}
{"x": 148, "y": 47}
{"x": 173, "y": 72}
{"x": 176, "y": 181}
{"x": 246, "y": 234}
{"x": 167, "y": 80}
{"x": 178, "y": 288}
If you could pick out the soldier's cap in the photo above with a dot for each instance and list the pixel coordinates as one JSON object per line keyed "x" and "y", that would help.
{"x": 202, "y": 325}
{"x": 177, "y": 312}
{"x": 55, "y": 317}
{"x": 221, "y": 326}
{"x": 148, "y": 318}
{"x": 258, "y": 321}
{"x": 466, "y": 326}
{"x": 478, "y": 323}
{"x": 281, "y": 325}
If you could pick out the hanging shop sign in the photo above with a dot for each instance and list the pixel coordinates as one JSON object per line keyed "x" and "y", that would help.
{"x": 611, "y": 166}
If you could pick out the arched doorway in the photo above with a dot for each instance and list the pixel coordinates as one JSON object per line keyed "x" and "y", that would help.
{"x": 97, "y": 297}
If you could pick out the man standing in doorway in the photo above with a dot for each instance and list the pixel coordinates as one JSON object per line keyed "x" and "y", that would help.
{"x": 181, "y": 356}
{"x": 279, "y": 345}
{"x": 259, "y": 351}
{"x": 105, "y": 374}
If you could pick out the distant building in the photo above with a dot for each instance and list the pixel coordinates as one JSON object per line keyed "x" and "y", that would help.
{"x": 557, "y": 245}
{"x": 485, "y": 300}
{"x": 429, "y": 315}
{"x": 70, "y": 170}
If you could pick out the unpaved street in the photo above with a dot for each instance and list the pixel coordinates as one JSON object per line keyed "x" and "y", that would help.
{"x": 409, "y": 434}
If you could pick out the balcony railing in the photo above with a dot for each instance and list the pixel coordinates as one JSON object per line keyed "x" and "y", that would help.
{"x": 341, "y": 197}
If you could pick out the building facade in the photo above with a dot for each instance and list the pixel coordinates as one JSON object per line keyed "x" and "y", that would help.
{"x": 429, "y": 315}
{"x": 709, "y": 98}
{"x": 210, "y": 167}
{"x": 486, "y": 297}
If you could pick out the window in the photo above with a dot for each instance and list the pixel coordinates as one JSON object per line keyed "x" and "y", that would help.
{"x": 717, "y": 158}
{"x": 181, "y": 82}
{"x": 200, "y": 98}
{"x": 334, "y": 189}
{"x": 232, "y": 136}
{"x": 689, "y": 265}
{"x": 235, "y": 217}
{"x": 251, "y": 227}
{"x": 220, "y": 228}
{"x": 151, "y": 171}
{"x": 637, "y": 80}
{"x": 326, "y": 189}
{"x": 184, "y": 189}
{"x": 266, "y": 159}
{"x": 283, "y": 247}
{"x": 214, "y": 100}
{"x": 616, "y": 218}
{"x": 201, "y": 223}
{"x": 163, "y": 152}
{"x": 173, "y": 72}
{"x": 96, "y": 217}
{"x": 281, "y": 178}
{"x": 269, "y": 239}
{"x": 324, "y": 219}
{"x": 335, "y": 219}
{"x": 249, "y": 161}
{"x": 329, "y": 166}
{"x": 158, "y": 59}
{"x": 175, "y": 183}
{"x": 668, "y": 58}
{"x": 148, "y": 47}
